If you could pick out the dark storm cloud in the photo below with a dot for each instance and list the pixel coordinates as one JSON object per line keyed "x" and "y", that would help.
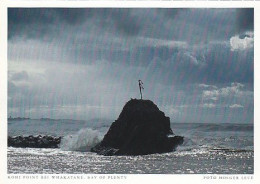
{"x": 41, "y": 16}
{"x": 212, "y": 66}
{"x": 73, "y": 15}
{"x": 122, "y": 19}
{"x": 127, "y": 24}
{"x": 29, "y": 15}
{"x": 172, "y": 12}
{"x": 37, "y": 22}
{"x": 225, "y": 66}
{"x": 33, "y": 22}
{"x": 245, "y": 20}
{"x": 29, "y": 21}
{"x": 216, "y": 64}
{"x": 194, "y": 25}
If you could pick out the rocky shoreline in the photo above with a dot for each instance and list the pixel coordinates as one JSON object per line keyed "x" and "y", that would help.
{"x": 34, "y": 141}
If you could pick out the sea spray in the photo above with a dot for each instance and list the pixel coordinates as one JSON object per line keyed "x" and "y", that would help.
{"x": 83, "y": 140}
{"x": 188, "y": 145}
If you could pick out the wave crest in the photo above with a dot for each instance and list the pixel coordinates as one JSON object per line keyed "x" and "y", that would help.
{"x": 83, "y": 140}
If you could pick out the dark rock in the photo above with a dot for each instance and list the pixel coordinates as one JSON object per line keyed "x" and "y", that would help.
{"x": 34, "y": 141}
{"x": 140, "y": 129}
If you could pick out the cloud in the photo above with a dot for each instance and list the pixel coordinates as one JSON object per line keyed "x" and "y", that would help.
{"x": 208, "y": 105}
{"x": 32, "y": 22}
{"x": 213, "y": 64}
{"x": 176, "y": 60}
{"x": 238, "y": 43}
{"x": 159, "y": 23}
{"x": 235, "y": 106}
{"x": 234, "y": 90}
{"x": 207, "y": 86}
{"x": 160, "y": 43}
{"x": 20, "y": 76}
{"x": 85, "y": 63}
{"x": 211, "y": 94}
{"x": 244, "y": 20}
{"x": 100, "y": 88}
{"x": 127, "y": 23}
{"x": 173, "y": 12}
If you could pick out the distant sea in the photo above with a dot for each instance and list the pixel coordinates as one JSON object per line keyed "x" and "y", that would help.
{"x": 208, "y": 149}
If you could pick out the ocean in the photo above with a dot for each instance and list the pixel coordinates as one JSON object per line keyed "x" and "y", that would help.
{"x": 207, "y": 149}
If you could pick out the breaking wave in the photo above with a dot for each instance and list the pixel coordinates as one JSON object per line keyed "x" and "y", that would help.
{"x": 83, "y": 140}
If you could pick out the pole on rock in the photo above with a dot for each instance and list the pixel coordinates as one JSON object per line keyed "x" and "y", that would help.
{"x": 141, "y": 88}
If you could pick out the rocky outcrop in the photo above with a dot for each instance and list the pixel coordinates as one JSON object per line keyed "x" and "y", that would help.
{"x": 140, "y": 129}
{"x": 34, "y": 141}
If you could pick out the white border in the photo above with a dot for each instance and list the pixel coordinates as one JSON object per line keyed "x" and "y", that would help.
{"x": 154, "y": 178}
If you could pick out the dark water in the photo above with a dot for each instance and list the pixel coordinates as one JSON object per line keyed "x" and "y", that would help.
{"x": 208, "y": 148}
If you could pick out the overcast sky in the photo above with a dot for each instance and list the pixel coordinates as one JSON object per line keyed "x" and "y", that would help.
{"x": 197, "y": 65}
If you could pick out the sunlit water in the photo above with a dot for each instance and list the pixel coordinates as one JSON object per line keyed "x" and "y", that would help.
{"x": 208, "y": 148}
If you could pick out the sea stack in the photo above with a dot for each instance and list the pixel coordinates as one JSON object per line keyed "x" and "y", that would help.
{"x": 140, "y": 129}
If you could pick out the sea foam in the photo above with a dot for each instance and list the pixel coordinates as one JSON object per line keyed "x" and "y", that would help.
{"x": 83, "y": 140}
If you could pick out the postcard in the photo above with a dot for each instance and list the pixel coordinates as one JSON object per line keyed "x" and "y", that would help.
{"x": 129, "y": 92}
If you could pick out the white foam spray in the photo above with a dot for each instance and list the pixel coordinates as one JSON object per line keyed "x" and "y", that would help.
{"x": 83, "y": 140}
